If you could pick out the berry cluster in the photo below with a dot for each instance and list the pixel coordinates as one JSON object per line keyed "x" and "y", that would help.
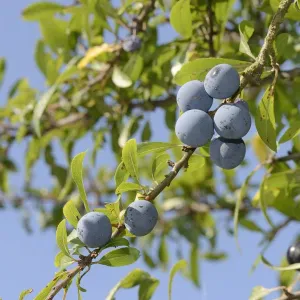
{"x": 232, "y": 121}
{"x": 94, "y": 229}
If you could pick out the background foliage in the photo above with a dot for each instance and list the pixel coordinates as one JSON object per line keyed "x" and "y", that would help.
{"x": 96, "y": 89}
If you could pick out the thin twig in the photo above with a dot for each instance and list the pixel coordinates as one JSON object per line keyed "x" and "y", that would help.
{"x": 169, "y": 178}
{"x": 255, "y": 70}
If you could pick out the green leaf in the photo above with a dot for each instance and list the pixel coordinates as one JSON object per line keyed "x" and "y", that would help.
{"x": 284, "y": 45}
{"x": 62, "y": 261}
{"x": 120, "y": 257}
{"x": 181, "y": 18}
{"x": 286, "y": 278}
{"x": 45, "y": 291}
{"x": 292, "y": 13}
{"x": 76, "y": 171}
{"x": 154, "y": 147}
{"x": 147, "y": 288}
{"x": 282, "y": 180}
{"x": 40, "y": 108}
{"x": 25, "y": 293}
{"x": 240, "y": 199}
{"x": 2, "y": 69}
{"x": 180, "y": 265}
{"x": 263, "y": 204}
{"x": 196, "y": 162}
{"x": 61, "y": 238}
{"x": 194, "y": 265}
{"x": 250, "y": 225}
{"x": 128, "y": 130}
{"x": 159, "y": 163}
{"x": 265, "y": 120}
{"x": 55, "y": 33}
{"x": 114, "y": 210}
{"x": 117, "y": 242}
{"x": 130, "y": 158}
{"x": 291, "y": 132}
{"x": 213, "y": 256}
{"x": 163, "y": 253}
{"x": 128, "y": 186}
{"x": 120, "y": 79}
{"x": 198, "y": 68}
{"x": 146, "y": 133}
{"x": 287, "y": 268}
{"x": 246, "y": 29}
{"x": 132, "y": 279}
{"x": 259, "y": 291}
{"x": 121, "y": 174}
{"x": 39, "y": 10}
{"x": 71, "y": 213}
{"x": 134, "y": 67}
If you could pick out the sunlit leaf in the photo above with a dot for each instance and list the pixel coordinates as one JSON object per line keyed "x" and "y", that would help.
{"x": 71, "y": 213}
{"x": 180, "y": 265}
{"x": 120, "y": 257}
{"x": 130, "y": 158}
{"x": 25, "y": 293}
{"x": 120, "y": 79}
{"x": 77, "y": 171}
{"x": 61, "y": 238}
{"x": 181, "y": 18}
{"x": 265, "y": 120}
{"x": 198, "y": 68}
{"x": 246, "y": 29}
{"x": 38, "y": 10}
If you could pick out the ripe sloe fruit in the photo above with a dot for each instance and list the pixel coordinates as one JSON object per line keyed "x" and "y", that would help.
{"x": 140, "y": 217}
{"x": 227, "y": 154}
{"x": 192, "y": 95}
{"x": 194, "y": 128}
{"x": 222, "y": 81}
{"x": 132, "y": 43}
{"x": 293, "y": 254}
{"x": 232, "y": 121}
{"x": 94, "y": 229}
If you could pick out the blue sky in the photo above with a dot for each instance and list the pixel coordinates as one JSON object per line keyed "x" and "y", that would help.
{"x": 27, "y": 260}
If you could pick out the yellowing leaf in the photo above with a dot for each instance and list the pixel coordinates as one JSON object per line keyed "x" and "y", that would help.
{"x": 93, "y": 52}
{"x": 260, "y": 149}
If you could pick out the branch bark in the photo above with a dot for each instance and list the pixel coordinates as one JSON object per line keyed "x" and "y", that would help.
{"x": 169, "y": 178}
{"x": 255, "y": 70}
